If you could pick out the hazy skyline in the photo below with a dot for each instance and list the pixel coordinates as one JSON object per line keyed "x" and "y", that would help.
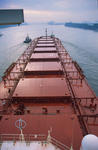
{"x": 55, "y": 10}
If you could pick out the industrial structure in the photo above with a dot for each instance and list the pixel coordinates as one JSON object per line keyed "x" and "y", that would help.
{"x": 11, "y": 16}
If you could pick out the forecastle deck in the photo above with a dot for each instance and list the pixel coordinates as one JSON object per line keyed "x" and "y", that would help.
{"x": 46, "y": 89}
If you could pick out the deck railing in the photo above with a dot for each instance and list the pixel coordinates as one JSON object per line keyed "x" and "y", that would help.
{"x": 33, "y": 137}
{"x": 27, "y": 137}
{"x": 59, "y": 144}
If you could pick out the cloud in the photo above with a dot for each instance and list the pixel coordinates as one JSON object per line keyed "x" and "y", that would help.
{"x": 76, "y": 5}
{"x": 44, "y": 16}
{"x": 56, "y": 10}
{"x": 59, "y": 16}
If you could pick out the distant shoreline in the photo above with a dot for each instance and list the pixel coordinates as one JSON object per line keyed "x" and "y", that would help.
{"x": 55, "y": 23}
{"x": 85, "y": 26}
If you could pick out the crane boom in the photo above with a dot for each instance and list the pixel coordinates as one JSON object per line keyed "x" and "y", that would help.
{"x": 11, "y": 16}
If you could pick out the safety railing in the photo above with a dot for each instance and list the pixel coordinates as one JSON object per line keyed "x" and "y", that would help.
{"x": 27, "y": 137}
{"x": 59, "y": 144}
{"x": 33, "y": 137}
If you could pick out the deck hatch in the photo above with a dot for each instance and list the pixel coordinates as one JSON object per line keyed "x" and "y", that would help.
{"x": 44, "y": 57}
{"x": 44, "y": 89}
{"x": 45, "y": 41}
{"x": 45, "y": 49}
{"x": 43, "y": 68}
{"x": 46, "y": 45}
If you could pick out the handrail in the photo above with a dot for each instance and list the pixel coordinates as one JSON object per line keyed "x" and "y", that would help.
{"x": 27, "y": 137}
{"x": 59, "y": 144}
{"x": 33, "y": 137}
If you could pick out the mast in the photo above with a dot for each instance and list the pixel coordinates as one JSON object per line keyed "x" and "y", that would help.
{"x": 46, "y": 33}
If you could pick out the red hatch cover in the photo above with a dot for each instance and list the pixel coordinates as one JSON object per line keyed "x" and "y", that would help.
{"x": 46, "y": 45}
{"x": 51, "y": 89}
{"x": 43, "y": 68}
{"x": 44, "y": 57}
{"x": 45, "y": 42}
{"x": 45, "y": 49}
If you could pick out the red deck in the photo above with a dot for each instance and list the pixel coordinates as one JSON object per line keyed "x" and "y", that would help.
{"x": 49, "y": 90}
{"x": 63, "y": 127}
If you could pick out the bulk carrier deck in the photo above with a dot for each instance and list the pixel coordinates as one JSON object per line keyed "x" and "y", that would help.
{"x": 45, "y": 98}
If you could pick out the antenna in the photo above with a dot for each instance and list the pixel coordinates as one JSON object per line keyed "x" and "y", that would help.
{"x": 49, "y": 135}
{"x": 46, "y": 32}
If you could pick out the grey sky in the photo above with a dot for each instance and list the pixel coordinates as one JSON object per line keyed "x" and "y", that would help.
{"x": 57, "y": 10}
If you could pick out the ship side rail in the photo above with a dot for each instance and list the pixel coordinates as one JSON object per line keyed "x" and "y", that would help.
{"x": 69, "y": 62}
{"x": 13, "y": 75}
{"x": 91, "y": 120}
{"x": 63, "y": 67}
{"x": 71, "y": 82}
{"x": 88, "y": 107}
{"x": 71, "y": 68}
{"x": 11, "y": 78}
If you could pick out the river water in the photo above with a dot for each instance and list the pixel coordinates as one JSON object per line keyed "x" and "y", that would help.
{"x": 81, "y": 44}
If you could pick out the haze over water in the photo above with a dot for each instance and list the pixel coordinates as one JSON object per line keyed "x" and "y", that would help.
{"x": 81, "y": 44}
